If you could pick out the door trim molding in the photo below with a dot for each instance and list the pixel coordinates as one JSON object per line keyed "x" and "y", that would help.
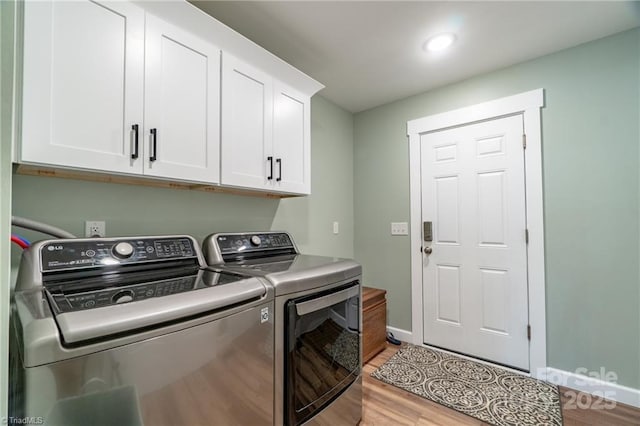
{"x": 528, "y": 104}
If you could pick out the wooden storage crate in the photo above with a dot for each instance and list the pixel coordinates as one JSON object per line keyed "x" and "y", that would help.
{"x": 374, "y": 322}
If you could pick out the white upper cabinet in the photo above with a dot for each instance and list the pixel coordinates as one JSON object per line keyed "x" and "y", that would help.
{"x": 182, "y": 104}
{"x": 150, "y": 88}
{"x": 247, "y": 115}
{"x": 82, "y": 84}
{"x": 83, "y": 96}
{"x": 291, "y": 140}
{"x": 265, "y": 131}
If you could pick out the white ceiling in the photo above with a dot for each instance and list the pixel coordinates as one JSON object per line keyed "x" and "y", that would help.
{"x": 368, "y": 53}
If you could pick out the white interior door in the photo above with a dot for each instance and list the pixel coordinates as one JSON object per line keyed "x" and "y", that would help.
{"x": 475, "y": 279}
{"x": 182, "y": 104}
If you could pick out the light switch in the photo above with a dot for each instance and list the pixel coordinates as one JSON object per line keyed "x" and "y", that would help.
{"x": 399, "y": 228}
{"x": 336, "y": 228}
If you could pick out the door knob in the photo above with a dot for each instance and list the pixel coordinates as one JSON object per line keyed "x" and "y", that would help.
{"x": 428, "y": 250}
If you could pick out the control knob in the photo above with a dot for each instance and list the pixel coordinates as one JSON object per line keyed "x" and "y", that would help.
{"x": 123, "y": 296}
{"x": 122, "y": 250}
{"x": 255, "y": 240}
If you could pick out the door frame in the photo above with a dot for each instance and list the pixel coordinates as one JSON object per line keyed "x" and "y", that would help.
{"x": 528, "y": 104}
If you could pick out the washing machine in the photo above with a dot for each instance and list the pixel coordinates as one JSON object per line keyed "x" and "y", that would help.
{"x": 133, "y": 331}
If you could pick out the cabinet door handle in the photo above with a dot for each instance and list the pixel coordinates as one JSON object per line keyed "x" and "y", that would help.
{"x": 270, "y": 160}
{"x": 279, "y": 161}
{"x": 154, "y": 145}
{"x": 134, "y": 153}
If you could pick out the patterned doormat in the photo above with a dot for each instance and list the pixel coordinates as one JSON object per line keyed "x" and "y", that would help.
{"x": 491, "y": 394}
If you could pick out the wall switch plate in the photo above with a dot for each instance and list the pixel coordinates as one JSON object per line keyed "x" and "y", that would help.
{"x": 336, "y": 228}
{"x": 95, "y": 228}
{"x": 399, "y": 228}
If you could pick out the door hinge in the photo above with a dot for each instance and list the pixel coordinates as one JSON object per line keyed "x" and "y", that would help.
{"x": 526, "y": 236}
{"x": 528, "y": 332}
{"x": 524, "y": 141}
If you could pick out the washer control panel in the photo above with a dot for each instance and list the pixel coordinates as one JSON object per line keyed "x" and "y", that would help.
{"x": 242, "y": 243}
{"x": 76, "y": 254}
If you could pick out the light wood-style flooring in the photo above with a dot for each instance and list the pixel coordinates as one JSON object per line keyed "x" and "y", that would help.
{"x": 384, "y": 404}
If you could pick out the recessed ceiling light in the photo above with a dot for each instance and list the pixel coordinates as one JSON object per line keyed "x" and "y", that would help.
{"x": 439, "y": 42}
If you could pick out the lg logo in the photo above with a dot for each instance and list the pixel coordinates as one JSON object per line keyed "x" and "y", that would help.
{"x": 55, "y": 248}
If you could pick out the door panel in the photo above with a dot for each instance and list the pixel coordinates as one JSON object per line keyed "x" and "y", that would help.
{"x": 182, "y": 96}
{"x": 448, "y": 293}
{"x": 491, "y": 208}
{"x": 83, "y": 84}
{"x": 447, "y": 221}
{"x": 247, "y": 123}
{"x": 495, "y": 300}
{"x": 475, "y": 279}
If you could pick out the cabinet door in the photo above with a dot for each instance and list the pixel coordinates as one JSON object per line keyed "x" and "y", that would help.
{"x": 247, "y": 114}
{"x": 291, "y": 140}
{"x": 182, "y": 104}
{"x": 83, "y": 84}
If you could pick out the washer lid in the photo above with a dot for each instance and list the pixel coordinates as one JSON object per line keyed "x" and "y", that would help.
{"x": 130, "y": 308}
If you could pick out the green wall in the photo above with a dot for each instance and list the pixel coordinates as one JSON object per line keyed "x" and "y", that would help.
{"x": 591, "y": 160}
{"x": 310, "y": 219}
{"x": 140, "y": 210}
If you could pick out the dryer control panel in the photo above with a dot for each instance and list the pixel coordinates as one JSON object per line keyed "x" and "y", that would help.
{"x": 237, "y": 243}
{"x": 221, "y": 248}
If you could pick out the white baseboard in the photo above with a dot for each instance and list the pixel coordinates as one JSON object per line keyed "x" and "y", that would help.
{"x": 595, "y": 386}
{"x": 400, "y": 334}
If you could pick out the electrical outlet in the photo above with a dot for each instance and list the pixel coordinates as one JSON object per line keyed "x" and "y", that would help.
{"x": 399, "y": 228}
{"x": 95, "y": 228}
